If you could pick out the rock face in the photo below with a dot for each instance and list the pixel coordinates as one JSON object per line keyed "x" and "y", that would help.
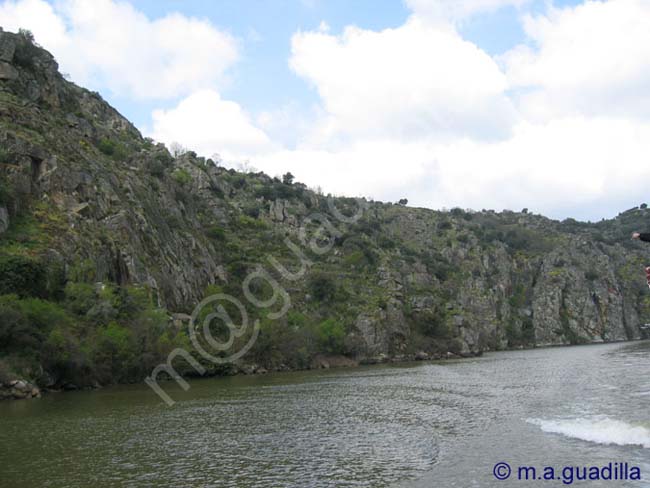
{"x": 4, "y": 219}
{"x": 82, "y": 189}
{"x": 18, "y": 390}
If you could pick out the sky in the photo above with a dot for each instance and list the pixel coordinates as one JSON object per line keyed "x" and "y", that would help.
{"x": 481, "y": 104}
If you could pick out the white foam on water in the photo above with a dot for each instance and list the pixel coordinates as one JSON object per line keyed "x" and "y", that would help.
{"x": 601, "y": 430}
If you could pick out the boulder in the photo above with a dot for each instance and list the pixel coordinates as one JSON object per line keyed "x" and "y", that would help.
{"x": 7, "y": 48}
{"x": 18, "y": 394}
{"x": 7, "y": 72}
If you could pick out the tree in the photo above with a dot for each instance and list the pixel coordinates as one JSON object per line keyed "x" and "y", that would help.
{"x": 27, "y": 34}
{"x": 217, "y": 159}
{"x": 644, "y": 206}
{"x": 246, "y": 167}
{"x": 403, "y": 201}
{"x": 287, "y": 178}
{"x": 177, "y": 150}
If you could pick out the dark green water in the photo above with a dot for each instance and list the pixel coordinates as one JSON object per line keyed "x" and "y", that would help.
{"x": 443, "y": 424}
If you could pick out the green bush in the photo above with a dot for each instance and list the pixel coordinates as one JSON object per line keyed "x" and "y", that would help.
{"x": 4, "y": 156}
{"x": 331, "y": 336}
{"x": 322, "y": 287}
{"x": 25, "y": 323}
{"x": 216, "y": 233}
{"x": 22, "y": 276}
{"x": 6, "y": 193}
{"x": 250, "y": 222}
{"x": 155, "y": 167}
{"x": 26, "y": 51}
{"x": 114, "y": 352}
{"x": 444, "y": 225}
{"x": 431, "y": 324}
{"x": 252, "y": 210}
{"x": 113, "y": 149}
{"x": 181, "y": 176}
{"x": 80, "y": 297}
{"x": 14, "y": 327}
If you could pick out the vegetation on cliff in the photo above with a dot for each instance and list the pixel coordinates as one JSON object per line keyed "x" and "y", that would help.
{"x": 106, "y": 237}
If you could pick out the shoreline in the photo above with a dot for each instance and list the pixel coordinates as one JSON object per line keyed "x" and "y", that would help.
{"x": 20, "y": 389}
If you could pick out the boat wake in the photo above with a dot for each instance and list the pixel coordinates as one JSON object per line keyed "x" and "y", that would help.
{"x": 601, "y": 430}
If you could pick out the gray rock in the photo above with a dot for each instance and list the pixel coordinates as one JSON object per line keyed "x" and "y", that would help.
{"x": 19, "y": 394}
{"x": 8, "y": 72}
{"x": 7, "y": 48}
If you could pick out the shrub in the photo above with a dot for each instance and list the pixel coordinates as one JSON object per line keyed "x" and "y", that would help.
{"x": 6, "y": 193}
{"x": 25, "y": 323}
{"x": 216, "y": 233}
{"x": 331, "y": 336}
{"x": 296, "y": 320}
{"x": 23, "y": 276}
{"x": 25, "y": 51}
{"x": 80, "y": 297}
{"x": 239, "y": 181}
{"x": 431, "y": 324}
{"x": 322, "y": 287}
{"x": 386, "y": 242}
{"x": 155, "y": 167}
{"x": 114, "y": 352}
{"x": 4, "y": 156}
{"x": 181, "y": 176}
{"x": 250, "y": 222}
{"x": 26, "y": 34}
{"x": 113, "y": 149}
{"x": 14, "y": 328}
{"x": 252, "y": 211}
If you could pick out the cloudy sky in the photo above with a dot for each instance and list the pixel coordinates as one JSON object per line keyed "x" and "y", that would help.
{"x": 495, "y": 104}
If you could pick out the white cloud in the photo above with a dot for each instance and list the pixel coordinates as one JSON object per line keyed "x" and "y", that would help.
{"x": 419, "y": 112}
{"x": 567, "y": 167}
{"x": 410, "y": 82}
{"x": 206, "y": 123}
{"x": 106, "y": 43}
{"x": 593, "y": 59}
{"x": 456, "y": 10}
{"x": 36, "y": 15}
{"x": 559, "y": 125}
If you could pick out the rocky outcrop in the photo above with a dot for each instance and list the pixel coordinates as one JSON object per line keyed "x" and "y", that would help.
{"x": 18, "y": 390}
{"x": 4, "y": 219}
{"x": 98, "y": 203}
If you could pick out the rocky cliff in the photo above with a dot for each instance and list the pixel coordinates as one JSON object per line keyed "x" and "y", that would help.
{"x": 107, "y": 239}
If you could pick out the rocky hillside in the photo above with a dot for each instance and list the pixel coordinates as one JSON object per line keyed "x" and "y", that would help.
{"x": 107, "y": 239}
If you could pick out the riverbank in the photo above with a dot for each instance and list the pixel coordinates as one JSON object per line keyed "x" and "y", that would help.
{"x": 22, "y": 389}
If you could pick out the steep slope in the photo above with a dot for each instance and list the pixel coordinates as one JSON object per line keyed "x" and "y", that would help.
{"x": 106, "y": 237}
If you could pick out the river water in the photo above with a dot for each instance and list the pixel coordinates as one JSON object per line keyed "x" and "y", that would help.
{"x": 416, "y": 425}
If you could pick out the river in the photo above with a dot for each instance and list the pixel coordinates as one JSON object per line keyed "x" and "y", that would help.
{"x": 413, "y": 425}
